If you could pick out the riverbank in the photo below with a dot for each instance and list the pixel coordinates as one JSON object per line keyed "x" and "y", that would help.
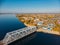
{"x": 27, "y": 25}
{"x": 45, "y": 31}
{"x": 48, "y": 31}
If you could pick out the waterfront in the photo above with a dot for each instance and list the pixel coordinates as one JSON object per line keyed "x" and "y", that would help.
{"x": 9, "y": 22}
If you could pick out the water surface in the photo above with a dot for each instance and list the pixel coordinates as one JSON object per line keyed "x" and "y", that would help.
{"x": 9, "y": 22}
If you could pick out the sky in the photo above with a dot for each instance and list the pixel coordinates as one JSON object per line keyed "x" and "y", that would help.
{"x": 29, "y": 6}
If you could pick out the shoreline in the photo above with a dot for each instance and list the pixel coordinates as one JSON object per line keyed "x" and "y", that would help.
{"x": 45, "y": 31}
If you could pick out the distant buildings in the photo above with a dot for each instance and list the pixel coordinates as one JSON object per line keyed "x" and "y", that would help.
{"x": 44, "y": 21}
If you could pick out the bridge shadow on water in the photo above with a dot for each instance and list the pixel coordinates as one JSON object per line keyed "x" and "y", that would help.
{"x": 38, "y": 38}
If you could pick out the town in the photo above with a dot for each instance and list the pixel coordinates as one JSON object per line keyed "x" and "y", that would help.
{"x": 49, "y": 23}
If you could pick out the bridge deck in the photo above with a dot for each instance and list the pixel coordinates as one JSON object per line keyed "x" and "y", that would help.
{"x": 20, "y": 33}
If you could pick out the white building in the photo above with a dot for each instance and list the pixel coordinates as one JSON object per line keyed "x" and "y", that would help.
{"x": 40, "y": 23}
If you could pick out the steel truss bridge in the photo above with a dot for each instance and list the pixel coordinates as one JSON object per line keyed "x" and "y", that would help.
{"x": 18, "y": 34}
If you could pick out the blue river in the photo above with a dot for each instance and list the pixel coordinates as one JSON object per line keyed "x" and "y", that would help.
{"x": 9, "y": 22}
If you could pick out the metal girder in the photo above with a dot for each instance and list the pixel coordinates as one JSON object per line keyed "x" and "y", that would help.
{"x": 17, "y": 34}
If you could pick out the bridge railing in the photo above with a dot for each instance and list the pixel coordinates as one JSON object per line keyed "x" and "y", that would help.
{"x": 17, "y": 34}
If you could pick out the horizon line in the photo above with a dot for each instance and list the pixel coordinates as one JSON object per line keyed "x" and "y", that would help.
{"x": 20, "y": 13}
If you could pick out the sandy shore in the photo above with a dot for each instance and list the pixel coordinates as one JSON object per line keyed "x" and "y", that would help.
{"x": 27, "y": 25}
{"x": 48, "y": 31}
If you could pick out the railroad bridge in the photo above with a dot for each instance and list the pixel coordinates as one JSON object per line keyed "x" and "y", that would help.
{"x": 18, "y": 34}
